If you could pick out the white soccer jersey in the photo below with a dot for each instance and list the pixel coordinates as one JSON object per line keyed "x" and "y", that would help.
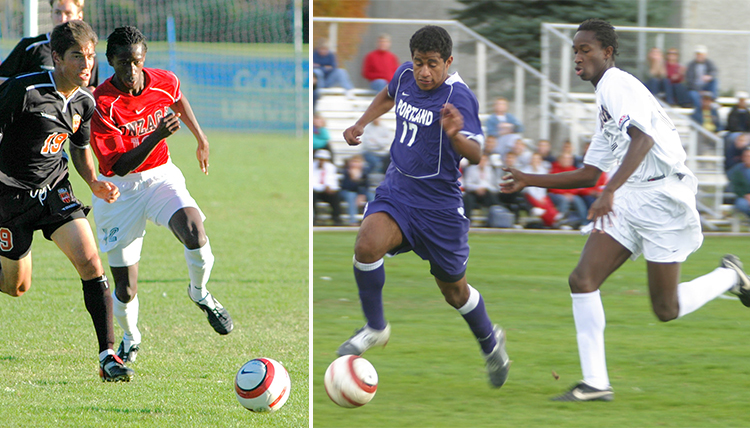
{"x": 623, "y": 101}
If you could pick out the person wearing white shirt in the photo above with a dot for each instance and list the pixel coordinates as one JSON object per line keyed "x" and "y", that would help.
{"x": 325, "y": 184}
{"x": 648, "y": 206}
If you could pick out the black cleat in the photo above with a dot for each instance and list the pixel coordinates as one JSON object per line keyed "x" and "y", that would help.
{"x": 742, "y": 288}
{"x": 130, "y": 356}
{"x": 218, "y": 317}
{"x": 112, "y": 369}
{"x": 585, "y": 392}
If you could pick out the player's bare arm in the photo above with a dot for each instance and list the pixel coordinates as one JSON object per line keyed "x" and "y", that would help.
{"x": 516, "y": 180}
{"x": 453, "y": 122}
{"x": 182, "y": 107}
{"x": 84, "y": 164}
{"x": 132, "y": 159}
{"x": 640, "y": 145}
{"x": 381, "y": 104}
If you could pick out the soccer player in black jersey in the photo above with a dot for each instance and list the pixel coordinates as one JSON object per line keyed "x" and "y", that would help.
{"x": 33, "y": 54}
{"x": 39, "y": 112}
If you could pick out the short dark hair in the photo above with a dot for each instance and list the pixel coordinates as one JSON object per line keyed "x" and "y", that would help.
{"x": 604, "y": 31}
{"x": 125, "y": 36}
{"x": 432, "y": 39}
{"x": 71, "y": 33}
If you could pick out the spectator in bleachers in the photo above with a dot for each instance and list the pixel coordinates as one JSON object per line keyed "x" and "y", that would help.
{"x": 325, "y": 184}
{"x": 480, "y": 186}
{"x": 567, "y": 147}
{"x": 376, "y": 143}
{"x": 355, "y": 186}
{"x": 739, "y": 117}
{"x": 321, "y": 137}
{"x": 657, "y": 72}
{"x": 316, "y": 92}
{"x": 490, "y": 146}
{"x": 739, "y": 178}
{"x": 537, "y": 196}
{"x": 706, "y": 114}
{"x": 701, "y": 75}
{"x": 503, "y": 126}
{"x": 379, "y": 65}
{"x": 522, "y": 151}
{"x": 734, "y": 149}
{"x": 544, "y": 148}
{"x": 565, "y": 199}
{"x": 326, "y": 69}
{"x": 676, "y": 91}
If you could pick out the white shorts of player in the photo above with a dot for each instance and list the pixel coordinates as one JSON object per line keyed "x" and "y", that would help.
{"x": 153, "y": 195}
{"x": 657, "y": 219}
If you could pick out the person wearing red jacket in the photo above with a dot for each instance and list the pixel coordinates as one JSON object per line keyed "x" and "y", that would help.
{"x": 380, "y": 64}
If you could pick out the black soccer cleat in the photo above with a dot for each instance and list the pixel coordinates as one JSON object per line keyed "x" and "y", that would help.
{"x": 130, "y": 356}
{"x": 742, "y": 288}
{"x": 112, "y": 369}
{"x": 218, "y": 317}
{"x": 585, "y": 392}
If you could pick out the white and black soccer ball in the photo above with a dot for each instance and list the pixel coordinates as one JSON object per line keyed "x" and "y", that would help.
{"x": 351, "y": 381}
{"x": 262, "y": 385}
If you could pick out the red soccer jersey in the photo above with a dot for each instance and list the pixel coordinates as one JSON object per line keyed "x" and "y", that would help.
{"x": 122, "y": 120}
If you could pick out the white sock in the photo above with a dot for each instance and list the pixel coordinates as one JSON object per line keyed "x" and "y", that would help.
{"x": 199, "y": 263}
{"x": 126, "y": 315}
{"x": 696, "y": 293}
{"x": 588, "y": 313}
{"x": 103, "y": 354}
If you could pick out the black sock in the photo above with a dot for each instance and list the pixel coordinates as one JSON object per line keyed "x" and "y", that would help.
{"x": 98, "y": 302}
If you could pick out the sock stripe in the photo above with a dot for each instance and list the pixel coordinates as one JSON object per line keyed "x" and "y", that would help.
{"x": 367, "y": 267}
{"x": 471, "y": 303}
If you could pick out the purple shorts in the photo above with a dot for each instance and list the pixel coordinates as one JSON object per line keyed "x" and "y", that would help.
{"x": 439, "y": 236}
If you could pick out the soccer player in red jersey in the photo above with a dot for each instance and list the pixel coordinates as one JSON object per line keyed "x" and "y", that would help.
{"x": 128, "y": 134}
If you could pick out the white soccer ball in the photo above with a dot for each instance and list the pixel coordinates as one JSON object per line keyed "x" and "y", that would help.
{"x": 351, "y": 381}
{"x": 262, "y": 385}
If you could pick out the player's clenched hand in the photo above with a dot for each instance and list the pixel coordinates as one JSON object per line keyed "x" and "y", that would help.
{"x": 105, "y": 190}
{"x": 451, "y": 120}
{"x": 513, "y": 181}
{"x": 601, "y": 210}
{"x": 352, "y": 134}
{"x": 168, "y": 125}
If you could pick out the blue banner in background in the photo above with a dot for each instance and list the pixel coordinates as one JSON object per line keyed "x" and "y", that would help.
{"x": 245, "y": 93}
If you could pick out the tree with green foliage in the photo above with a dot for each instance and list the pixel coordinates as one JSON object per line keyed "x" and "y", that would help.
{"x": 515, "y": 25}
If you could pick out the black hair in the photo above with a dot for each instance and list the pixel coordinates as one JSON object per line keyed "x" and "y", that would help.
{"x": 604, "y": 31}
{"x": 125, "y": 36}
{"x": 432, "y": 39}
{"x": 71, "y": 33}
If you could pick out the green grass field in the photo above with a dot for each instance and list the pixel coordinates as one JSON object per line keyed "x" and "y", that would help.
{"x": 256, "y": 204}
{"x": 692, "y": 372}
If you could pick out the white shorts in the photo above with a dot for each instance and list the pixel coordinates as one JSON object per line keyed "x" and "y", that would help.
{"x": 657, "y": 219}
{"x": 153, "y": 195}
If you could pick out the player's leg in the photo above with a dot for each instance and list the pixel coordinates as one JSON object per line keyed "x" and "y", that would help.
{"x": 123, "y": 262}
{"x": 187, "y": 225}
{"x": 378, "y": 234}
{"x": 77, "y": 242}
{"x": 671, "y": 300}
{"x": 15, "y": 275}
{"x": 470, "y": 304}
{"x": 601, "y": 256}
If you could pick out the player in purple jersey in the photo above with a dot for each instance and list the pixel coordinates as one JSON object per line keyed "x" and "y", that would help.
{"x": 418, "y": 206}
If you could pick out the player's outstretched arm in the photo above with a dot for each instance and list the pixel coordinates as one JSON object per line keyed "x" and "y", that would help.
{"x": 132, "y": 159}
{"x": 516, "y": 180}
{"x": 183, "y": 108}
{"x": 84, "y": 164}
{"x": 378, "y": 107}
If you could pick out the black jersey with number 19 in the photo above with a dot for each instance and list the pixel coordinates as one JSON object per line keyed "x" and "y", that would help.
{"x": 35, "y": 121}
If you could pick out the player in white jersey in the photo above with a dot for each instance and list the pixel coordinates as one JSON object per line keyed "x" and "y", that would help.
{"x": 647, "y": 207}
